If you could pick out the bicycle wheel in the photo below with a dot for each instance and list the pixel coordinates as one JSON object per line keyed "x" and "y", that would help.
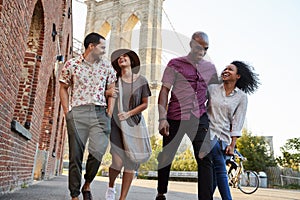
{"x": 248, "y": 182}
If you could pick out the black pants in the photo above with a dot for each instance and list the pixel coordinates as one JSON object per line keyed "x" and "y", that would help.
{"x": 197, "y": 130}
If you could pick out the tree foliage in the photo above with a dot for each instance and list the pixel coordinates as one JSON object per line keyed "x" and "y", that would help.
{"x": 291, "y": 154}
{"x": 256, "y": 150}
{"x": 184, "y": 161}
{"x": 151, "y": 164}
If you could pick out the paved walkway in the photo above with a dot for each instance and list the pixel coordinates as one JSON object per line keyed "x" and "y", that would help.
{"x": 56, "y": 189}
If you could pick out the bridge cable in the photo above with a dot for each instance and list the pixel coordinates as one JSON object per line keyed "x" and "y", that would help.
{"x": 174, "y": 30}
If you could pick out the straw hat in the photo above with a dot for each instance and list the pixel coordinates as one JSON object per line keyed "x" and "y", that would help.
{"x": 135, "y": 61}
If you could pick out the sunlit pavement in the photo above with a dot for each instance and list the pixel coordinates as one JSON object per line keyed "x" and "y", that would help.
{"x": 57, "y": 188}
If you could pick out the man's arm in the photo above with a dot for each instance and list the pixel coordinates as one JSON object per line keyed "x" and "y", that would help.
{"x": 64, "y": 97}
{"x": 162, "y": 111}
{"x": 111, "y": 99}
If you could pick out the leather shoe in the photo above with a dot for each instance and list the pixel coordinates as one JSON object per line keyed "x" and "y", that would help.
{"x": 160, "y": 197}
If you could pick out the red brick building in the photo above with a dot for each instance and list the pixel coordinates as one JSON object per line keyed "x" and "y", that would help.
{"x": 34, "y": 36}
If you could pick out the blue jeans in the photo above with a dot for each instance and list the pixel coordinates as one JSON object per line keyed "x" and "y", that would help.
{"x": 220, "y": 172}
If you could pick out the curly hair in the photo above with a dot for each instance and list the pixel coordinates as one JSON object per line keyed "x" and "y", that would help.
{"x": 249, "y": 81}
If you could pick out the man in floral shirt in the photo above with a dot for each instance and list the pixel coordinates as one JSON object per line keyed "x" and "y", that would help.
{"x": 83, "y": 83}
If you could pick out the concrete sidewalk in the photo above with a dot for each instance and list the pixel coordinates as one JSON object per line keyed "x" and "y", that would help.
{"x": 57, "y": 189}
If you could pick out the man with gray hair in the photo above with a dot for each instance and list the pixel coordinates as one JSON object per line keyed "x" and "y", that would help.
{"x": 187, "y": 78}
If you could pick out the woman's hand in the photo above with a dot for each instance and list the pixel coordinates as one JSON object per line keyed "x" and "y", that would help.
{"x": 229, "y": 150}
{"x": 124, "y": 115}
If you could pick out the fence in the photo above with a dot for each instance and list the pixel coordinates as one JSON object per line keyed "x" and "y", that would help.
{"x": 176, "y": 174}
{"x": 282, "y": 177}
{"x": 288, "y": 180}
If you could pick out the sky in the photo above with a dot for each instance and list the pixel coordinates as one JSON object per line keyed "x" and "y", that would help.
{"x": 263, "y": 33}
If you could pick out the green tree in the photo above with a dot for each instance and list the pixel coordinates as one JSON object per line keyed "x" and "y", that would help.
{"x": 256, "y": 150}
{"x": 184, "y": 161}
{"x": 291, "y": 154}
{"x": 151, "y": 164}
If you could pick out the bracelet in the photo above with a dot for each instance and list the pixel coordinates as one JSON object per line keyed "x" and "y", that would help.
{"x": 161, "y": 119}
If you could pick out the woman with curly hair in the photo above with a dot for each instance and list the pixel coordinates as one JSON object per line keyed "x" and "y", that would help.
{"x": 227, "y": 106}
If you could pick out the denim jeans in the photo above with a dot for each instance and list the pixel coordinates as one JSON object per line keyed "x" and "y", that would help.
{"x": 220, "y": 173}
{"x": 196, "y": 130}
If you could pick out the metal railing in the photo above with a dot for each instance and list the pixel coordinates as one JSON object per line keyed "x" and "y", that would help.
{"x": 77, "y": 47}
{"x": 288, "y": 177}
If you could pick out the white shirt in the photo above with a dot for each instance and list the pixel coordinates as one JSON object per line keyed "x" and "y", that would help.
{"x": 226, "y": 113}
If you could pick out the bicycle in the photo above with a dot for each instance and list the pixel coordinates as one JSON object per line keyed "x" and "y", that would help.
{"x": 246, "y": 181}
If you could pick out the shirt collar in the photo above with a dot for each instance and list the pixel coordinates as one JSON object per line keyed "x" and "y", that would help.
{"x": 81, "y": 60}
{"x": 235, "y": 90}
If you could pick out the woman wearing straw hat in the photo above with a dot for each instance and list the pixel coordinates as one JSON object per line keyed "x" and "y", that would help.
{"x": 135, "y": 89}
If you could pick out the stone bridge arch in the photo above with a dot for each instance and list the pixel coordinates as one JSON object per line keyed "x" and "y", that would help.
{"x": 119, "y": 19}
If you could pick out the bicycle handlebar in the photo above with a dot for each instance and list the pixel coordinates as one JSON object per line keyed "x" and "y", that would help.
{"x": 239, "y": 155}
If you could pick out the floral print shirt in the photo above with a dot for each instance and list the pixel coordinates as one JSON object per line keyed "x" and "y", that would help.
{"x": 87, "y": 81}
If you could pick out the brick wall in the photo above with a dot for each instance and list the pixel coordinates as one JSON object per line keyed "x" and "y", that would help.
{"x": 31, "y": 120}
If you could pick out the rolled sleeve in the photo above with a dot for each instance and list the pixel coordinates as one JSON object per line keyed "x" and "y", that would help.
{"x": 112, "y": 77}
{"x": 168, "y": 76}
{"x": 239, "y": 118}
{"x": 66, "y": 73}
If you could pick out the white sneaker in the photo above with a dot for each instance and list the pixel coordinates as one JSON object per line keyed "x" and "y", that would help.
{"x": 110, "y": 194}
